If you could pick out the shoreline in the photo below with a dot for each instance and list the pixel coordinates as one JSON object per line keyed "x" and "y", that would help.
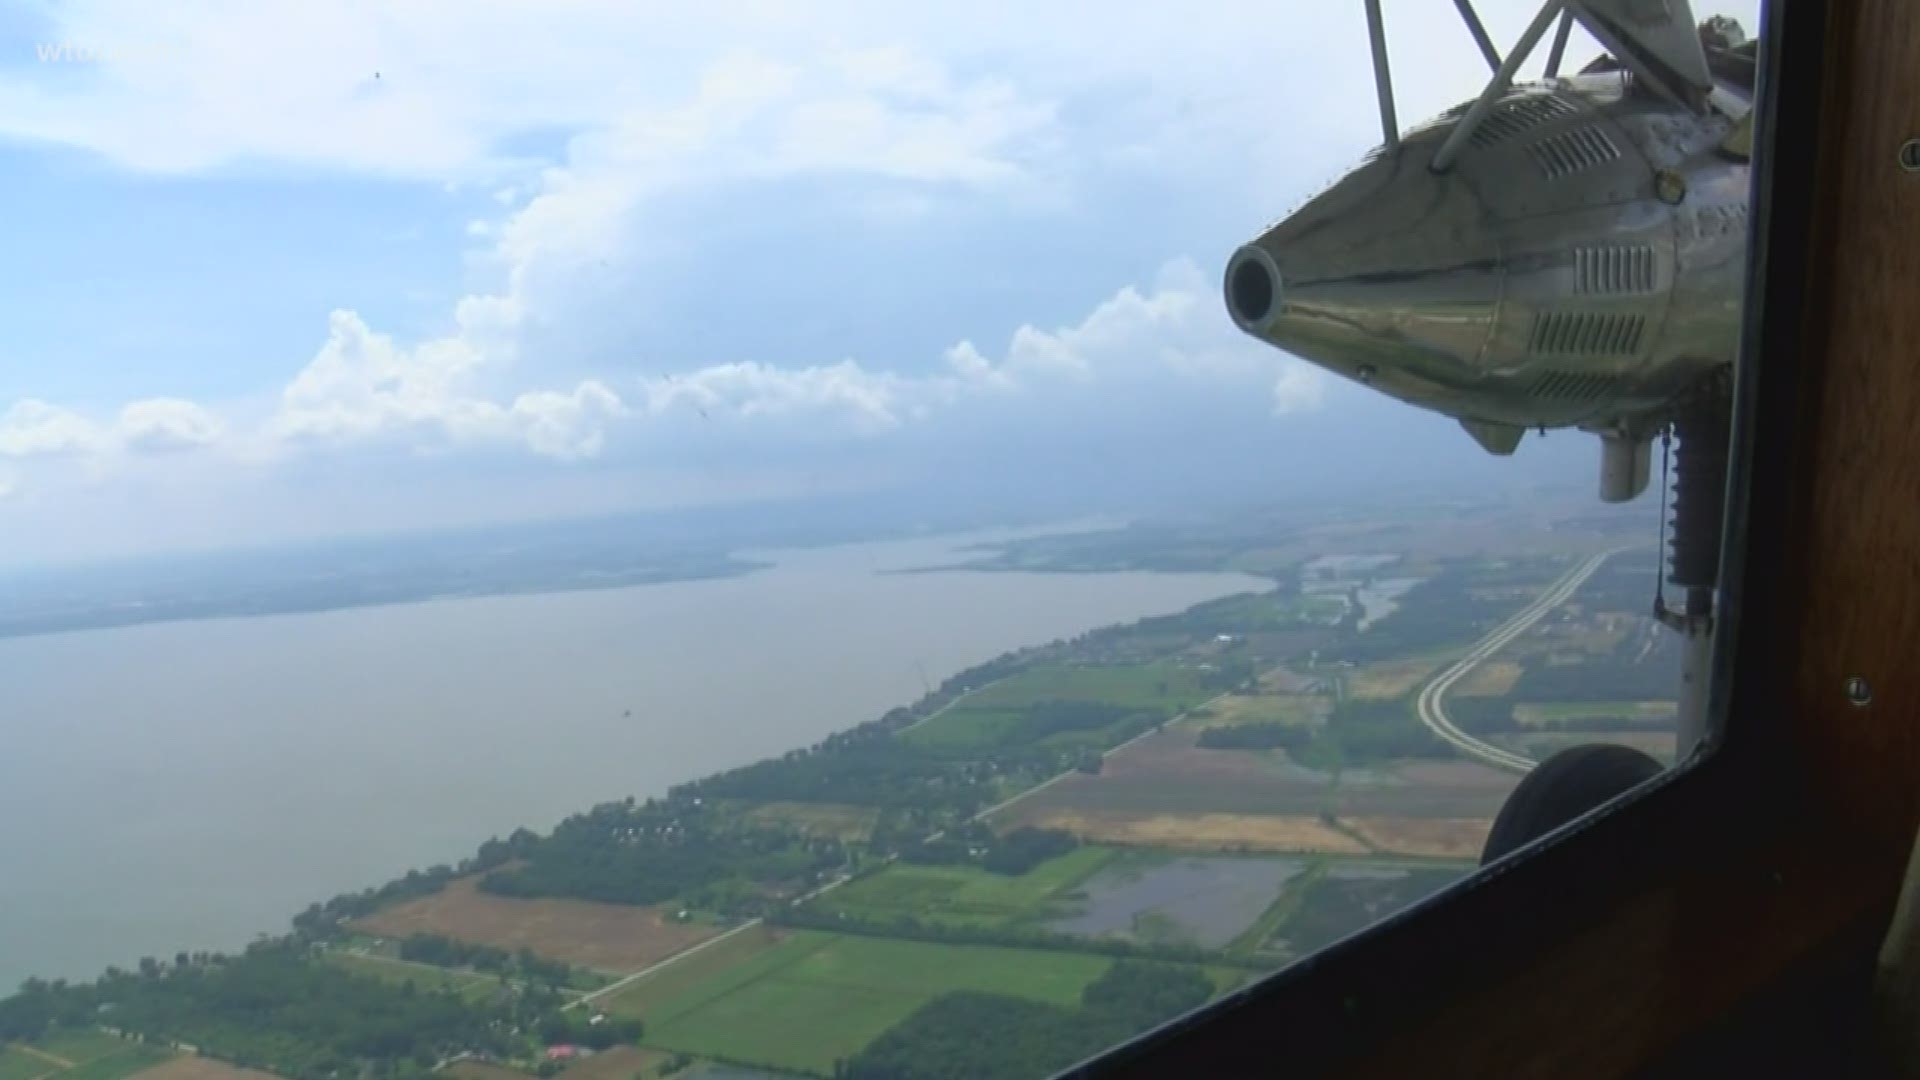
{"x": 1230, "y": 584}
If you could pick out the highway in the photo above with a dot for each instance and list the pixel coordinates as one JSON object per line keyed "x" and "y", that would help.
{"x": 1431, "y": 705}
{"x": 1432, "y": 713}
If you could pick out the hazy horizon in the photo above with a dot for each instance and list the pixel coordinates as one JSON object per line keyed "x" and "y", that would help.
{"x": 699, "y": 258}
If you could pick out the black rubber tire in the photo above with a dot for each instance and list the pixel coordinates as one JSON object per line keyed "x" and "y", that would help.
{"x": 1562, "y": 788}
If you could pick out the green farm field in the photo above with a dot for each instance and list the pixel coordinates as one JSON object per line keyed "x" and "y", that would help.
{"x": 91, "y": 1055}
{"x": 816, "y": 998}
{"x": 961, "y": 895}
{"x": 1144, "y": 686}
{"x": 665, "y": 986}
{"x": 1570, "y": 712}
{"x": 993, "y": 715}
{"x": 20, "y": 1065}
{"x": 467, "y": 984}
{"x": 132, "y": 1059}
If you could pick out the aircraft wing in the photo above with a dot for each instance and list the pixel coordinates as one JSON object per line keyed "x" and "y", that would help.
{"x": 1657, "y": 39}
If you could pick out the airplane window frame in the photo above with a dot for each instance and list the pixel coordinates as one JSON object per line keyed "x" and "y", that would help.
{"x": 1325, "y": 1008}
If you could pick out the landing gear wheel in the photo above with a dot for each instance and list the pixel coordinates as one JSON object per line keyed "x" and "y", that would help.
{"x": 1563, "y": 787}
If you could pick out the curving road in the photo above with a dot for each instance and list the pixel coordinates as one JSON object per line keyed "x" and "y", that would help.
{"x": 1433, "y": 712}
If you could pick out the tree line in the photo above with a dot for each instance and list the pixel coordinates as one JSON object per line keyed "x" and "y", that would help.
{"x": 646, "y": 854}
{"x": 977, "y": 844}
{"x": 1361, "y": 731}
{"x": 275, "y": 1008}
{"x": 443, "y": 951}
{"x": 967, "y": 1035}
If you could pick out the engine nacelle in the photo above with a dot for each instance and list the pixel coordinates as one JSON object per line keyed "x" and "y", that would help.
{"x": 1579, "y": 264}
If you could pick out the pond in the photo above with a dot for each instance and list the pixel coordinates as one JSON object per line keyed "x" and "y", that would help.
{"x": 1199, "y": 900}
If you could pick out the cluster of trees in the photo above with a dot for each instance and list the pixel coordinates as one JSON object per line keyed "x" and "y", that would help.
{"x": 864, "y": 766}
{"x": 447, "y": 952}
{"x": 1013, "y": 854}
{"x": 1363, "y": 731}
{"x": 276, "y": 1008}
{"x": 1615, "y": 677}
{"x": 626, "y": 854}
{"x": 1229, "y": 674}
{"x": 975, "y": 1036}
{"x": 1025, "y": 848}
{"x": 1268, "y": 735}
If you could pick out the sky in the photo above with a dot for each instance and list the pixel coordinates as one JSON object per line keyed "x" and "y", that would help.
{"x": 288, "y": 270}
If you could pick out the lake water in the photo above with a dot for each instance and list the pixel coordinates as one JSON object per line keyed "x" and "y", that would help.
{"x": 1382, "y": 597}
{"x": 187, "y": 785}
{"x": 1207, "y": 901}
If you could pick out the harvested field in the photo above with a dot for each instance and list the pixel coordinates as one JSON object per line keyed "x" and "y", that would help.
{"x": 1200, "y": 832}
{"x": 193, "y": 1067}
{"x": 1490, "y": 678}
{"x": 1166, "y": 774}
{"x": 606, "y": 937}
{"x": 1442, "y": 838}
{"x": 1384, "y": 680}
{"x": 1237, "y": 709}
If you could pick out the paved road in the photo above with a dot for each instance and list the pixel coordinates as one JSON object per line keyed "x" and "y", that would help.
{"x": 1430, "y": 705}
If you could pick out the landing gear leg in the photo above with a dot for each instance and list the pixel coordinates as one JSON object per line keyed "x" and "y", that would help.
{"x": 1580, "y": 778}
{"x": 1699, "y": 511}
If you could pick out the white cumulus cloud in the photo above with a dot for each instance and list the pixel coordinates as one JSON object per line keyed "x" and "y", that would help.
{"x": 160, "y": 424}
{"x": 362, "y": 385}
{"x": 31, "y": 428}
{"x": 1174, "y": 332}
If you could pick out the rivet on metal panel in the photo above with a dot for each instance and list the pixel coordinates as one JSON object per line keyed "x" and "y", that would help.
{"x": 1669, "y": 186}
{"x": 1859, "y": 694}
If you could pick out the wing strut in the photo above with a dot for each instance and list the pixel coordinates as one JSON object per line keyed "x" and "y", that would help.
{"x": 1382, "y": 77}
{"x": 1559, "y": 48}
{"x": 1502, "y": 78}
{"x": 1479, "y": 33}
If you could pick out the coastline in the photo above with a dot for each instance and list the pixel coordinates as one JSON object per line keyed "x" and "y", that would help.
{"x": 496, "y": 610}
